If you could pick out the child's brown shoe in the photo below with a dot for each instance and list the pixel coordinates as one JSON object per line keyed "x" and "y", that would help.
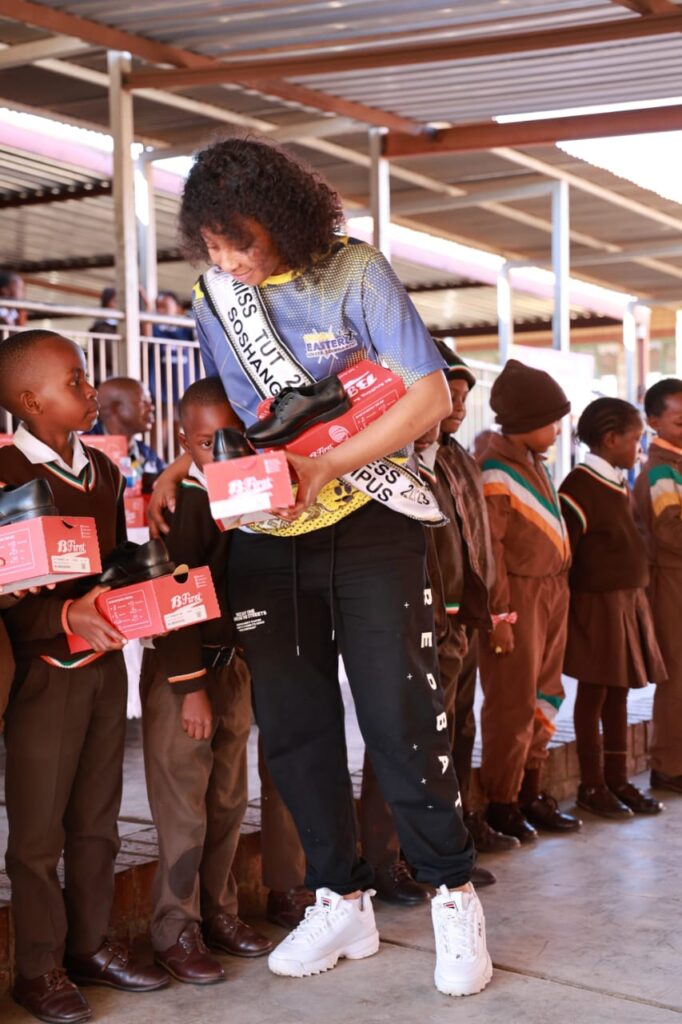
{"x": 189, "y": 960}
{"x": 52, "y": 997}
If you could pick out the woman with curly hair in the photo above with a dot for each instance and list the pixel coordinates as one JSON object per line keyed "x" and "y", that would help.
{"x": 288, "y": 300}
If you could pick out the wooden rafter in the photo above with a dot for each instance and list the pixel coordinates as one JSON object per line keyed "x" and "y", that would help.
{"x": 540, "y": 132}
{"x": 648, "y": 6}
{"x": 401, "y": 55}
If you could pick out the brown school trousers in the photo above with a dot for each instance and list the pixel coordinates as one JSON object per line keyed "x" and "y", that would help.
{"x": 198, "y": 792}
{"x": 380, "y": 843}
{"x": 65, "y": 733}
{"x": 665, "y": 593}
{"x": 520, "y": 688}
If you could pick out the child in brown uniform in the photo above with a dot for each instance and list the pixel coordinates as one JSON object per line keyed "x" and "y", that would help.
{"x": 65, "y": 723}
{"x": 521, "y": 664}
{"x": 196, "y": 719}
{"x": 611, "y": 644}
{"x": 658, "y": 503}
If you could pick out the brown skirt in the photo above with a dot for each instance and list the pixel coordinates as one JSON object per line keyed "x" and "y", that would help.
{"x": 611, "y": 639}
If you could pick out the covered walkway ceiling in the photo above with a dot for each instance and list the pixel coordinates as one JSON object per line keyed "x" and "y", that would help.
{"x": 318, "y": 73}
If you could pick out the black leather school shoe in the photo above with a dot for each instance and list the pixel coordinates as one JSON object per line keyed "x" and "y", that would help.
{"x": 294, "y": 410}
{"x": 26, "y": 501}
{"x": 230, "y": 444}
{"x": 136, "y": 563}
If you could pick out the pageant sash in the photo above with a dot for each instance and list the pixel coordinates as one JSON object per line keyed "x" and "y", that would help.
{"x": 270, "y": 366}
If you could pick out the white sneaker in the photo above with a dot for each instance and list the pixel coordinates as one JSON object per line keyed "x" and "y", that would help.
{"x": 463, "y": 965}
{"x": 332, "y": 928}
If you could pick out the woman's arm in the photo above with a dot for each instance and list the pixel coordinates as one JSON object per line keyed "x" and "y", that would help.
{"x": 424, "y": 404}
{"x": 163, "y": 495}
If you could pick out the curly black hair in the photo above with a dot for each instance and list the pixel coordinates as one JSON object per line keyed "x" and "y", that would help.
{"x": 246, "y": 177}
{"x": 603, "y": 415}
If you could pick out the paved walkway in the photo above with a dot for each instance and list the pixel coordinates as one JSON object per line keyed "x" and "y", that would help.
{"x": 583, "y": 928}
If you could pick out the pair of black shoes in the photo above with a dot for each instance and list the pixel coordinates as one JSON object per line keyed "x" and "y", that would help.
{"x": 26, "y": 501}
{"x": 292, "y": 412}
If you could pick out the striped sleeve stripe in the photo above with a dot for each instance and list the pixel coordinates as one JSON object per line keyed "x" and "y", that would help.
{"x": 189, "y": 675}
{"x": 573, "y": 505}
{"x": 665, "y": 485}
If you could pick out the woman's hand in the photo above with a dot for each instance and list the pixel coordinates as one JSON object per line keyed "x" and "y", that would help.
{"x": 197, "y": 715}
{"x": 501, "y": 638}
{"x": 84, "y": 620}
{"x": 311, "y": 476}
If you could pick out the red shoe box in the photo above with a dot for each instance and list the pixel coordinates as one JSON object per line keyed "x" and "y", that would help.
{"x": 247, "y": 486}
{"x": 136, "y": 505}
{"x": 372, "y": 390}
{"x": 182, "y": 598}
{"x": 48, "y": 549}
{"x": 113, "y": 445}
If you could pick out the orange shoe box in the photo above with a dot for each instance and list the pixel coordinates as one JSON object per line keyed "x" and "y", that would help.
{"x": 47, "y": 549}
{"x": 182, "y": 598}
{"x": 372, "y": 390}
{"x": 252, "y": 484}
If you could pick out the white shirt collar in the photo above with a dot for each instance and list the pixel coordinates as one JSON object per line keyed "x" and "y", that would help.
{"x": 604, "y": 468}
{"x": 196, "y": 473}
{"x": 38, "y": 453}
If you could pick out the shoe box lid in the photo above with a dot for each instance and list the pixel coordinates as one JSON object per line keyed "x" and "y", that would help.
{"x": 183, "y": 598}
{"x": 47, "y": 549}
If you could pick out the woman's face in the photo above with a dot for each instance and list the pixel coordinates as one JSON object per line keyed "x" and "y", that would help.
{"x": 251, "y": 261}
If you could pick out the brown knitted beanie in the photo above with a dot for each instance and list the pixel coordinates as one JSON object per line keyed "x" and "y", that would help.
{"x": 525, "y": 399}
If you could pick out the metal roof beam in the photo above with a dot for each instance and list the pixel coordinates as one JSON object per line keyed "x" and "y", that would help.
{"x": 540, "y": 132}
{"x": 394, "y": 56}
{"x": 54, "y": 194}
{"x": 648, "y": 6}
{"x": 38, "y": 49}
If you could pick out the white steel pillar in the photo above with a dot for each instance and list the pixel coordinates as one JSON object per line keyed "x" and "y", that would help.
{"x": 127, "y": 279}
{"x": 630, "y": 350}
{"x": 146, "y": 229}
{"x": 505, "y": 316}
{"x": 678, "y": 342}
{"x": 561, "y": 258}
{"x": 380, "y": 192}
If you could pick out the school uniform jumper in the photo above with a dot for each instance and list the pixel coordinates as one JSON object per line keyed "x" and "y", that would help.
{"x": 349, "y": 577}
{"x": 522, "y": 689}
{"x": 658, "y": 503}
{"x": 65, "y": 733}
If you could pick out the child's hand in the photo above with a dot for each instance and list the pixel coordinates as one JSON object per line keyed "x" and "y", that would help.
{"x": 84, "y": 620}
{"x": 502, "y": 638}
{"x": 197, "y": 715}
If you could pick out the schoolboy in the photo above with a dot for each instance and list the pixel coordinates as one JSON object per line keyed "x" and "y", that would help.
{"x": 196, "y": 717}
{"x": 521, "y": 662}
{"x": 658, "y": 503}
{"x": 65, "y": 723}
{"x": 126, "y": 407}
{"x": 461, "y": 572}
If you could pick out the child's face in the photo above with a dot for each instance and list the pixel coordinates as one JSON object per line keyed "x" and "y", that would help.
{"x": 459, "y": 391}
{"x": 63, "y": 399}
{"x": 541, "y": 439}
{"x": 136, "y": 409}
{"x": 199, "y": 424}
{"x": 668, "y": 425}
{"x": 622, "y": 450}
{"x": 250, "y": 262}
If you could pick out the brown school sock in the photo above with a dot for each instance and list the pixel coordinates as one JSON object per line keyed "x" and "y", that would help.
{"x": 589, "y": 702}
{"x": 614, "y": 719}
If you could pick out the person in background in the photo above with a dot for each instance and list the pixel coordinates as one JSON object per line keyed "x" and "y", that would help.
{"x": 611, "y": 643}
{"x": 12, "y": 286}
{"x": 521, "y": 662}
{"x": 106, "y": 325}
{"x": 182, "y": 361}
{"x": 126, "y": 407}
{"x": 658, "y": 503}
